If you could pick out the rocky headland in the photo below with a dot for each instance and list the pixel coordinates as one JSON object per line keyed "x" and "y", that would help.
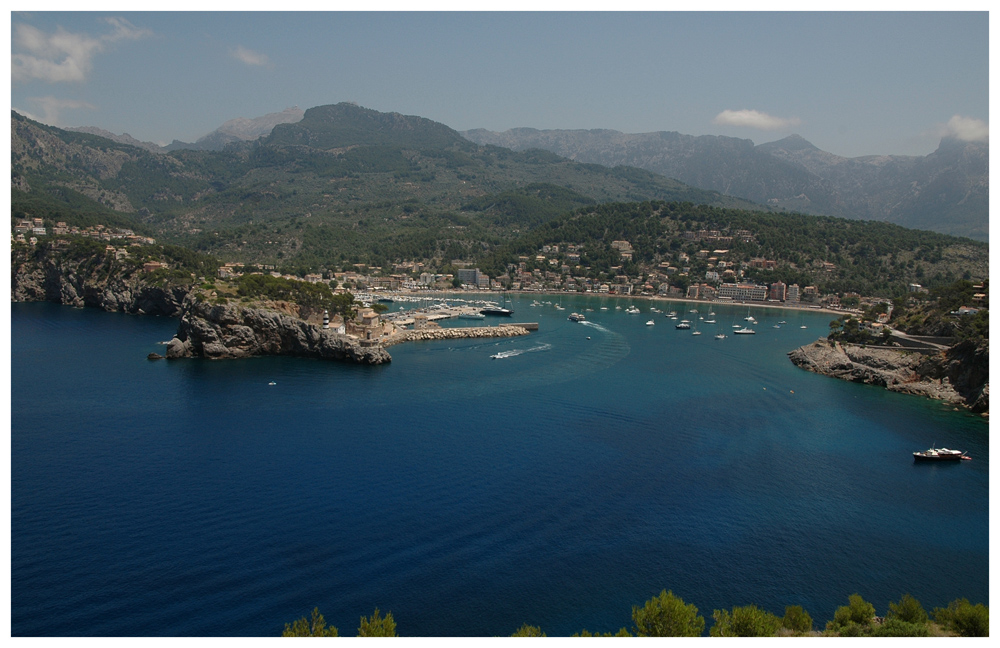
{"x": 958, "y": 375}
{"x": 237, "y": 331}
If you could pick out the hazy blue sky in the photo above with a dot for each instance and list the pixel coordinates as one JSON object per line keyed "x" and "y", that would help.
{"x": 851, "y": 83}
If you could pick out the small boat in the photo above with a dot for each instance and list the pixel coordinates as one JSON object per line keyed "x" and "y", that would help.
{"x": 711, "y": 321}
{"x": 695, "y": 332}
{"x": 778, "y": 326}
{"x": 650, "y": 323}
{"x": 576, "y": 317}
{"x": 782, "y": 322}
{"x": 683, "y": 324}
{"x": 720, "y": 336}
{"x": 744, "y": 331}
{"x": 272, "y": 383}
{"x": 632, "y": 310}
{"x": 475, "y": 316}
{"x": 604, "y": 308}
{"x": 939, "y": 454}
{"x": 803, "y": 326}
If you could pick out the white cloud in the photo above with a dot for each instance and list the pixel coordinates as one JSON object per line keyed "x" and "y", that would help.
{"x": 50, "y": 109}
{"x": 62, "y": 55}
{"x": 754, "y": 119}
{"x": 250, "y": 57}
{"x": 966, "y": 129}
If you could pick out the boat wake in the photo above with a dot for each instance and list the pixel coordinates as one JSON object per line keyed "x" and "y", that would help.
{"x": 516, "y": 352}
{"x": 596, "y": 326}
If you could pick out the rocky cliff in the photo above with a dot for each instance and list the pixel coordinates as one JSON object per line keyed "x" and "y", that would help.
{"x": 958, "y": 375}
{"x": 75, "y": 282}
{"x": 237, "y": 331}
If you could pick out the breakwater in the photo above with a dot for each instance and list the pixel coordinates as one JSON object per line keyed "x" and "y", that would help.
{"x": 425, "y": 334}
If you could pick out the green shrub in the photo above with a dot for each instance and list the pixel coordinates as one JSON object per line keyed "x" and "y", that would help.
{"x": 667, "y": 615}
{"x": 857, "y": 612}
{"x": 797, "y": 619}
{"x": 377, "y": 626}
{"x": 747, "y": 621}
{"x": 908, "y": 609}
{"x": 896, "y": 627}
{"x": 964, "y": 619}
{"x": 528, "y": 631}
{"x": 305, "y": 628}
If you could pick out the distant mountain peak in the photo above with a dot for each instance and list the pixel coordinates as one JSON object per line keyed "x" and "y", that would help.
{"x": 348, "y": 124}
{"x": 791, "y": 143}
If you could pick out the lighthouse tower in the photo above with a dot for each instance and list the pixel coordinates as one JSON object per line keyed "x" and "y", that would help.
{"x": 326, "y": 319}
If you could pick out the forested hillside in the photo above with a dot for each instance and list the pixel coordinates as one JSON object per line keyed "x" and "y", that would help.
{"x": 835, "y": 255}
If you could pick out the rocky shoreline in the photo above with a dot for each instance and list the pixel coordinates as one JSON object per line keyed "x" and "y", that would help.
{"x": 958, "y": 375}
{"x": 235, "y": 331}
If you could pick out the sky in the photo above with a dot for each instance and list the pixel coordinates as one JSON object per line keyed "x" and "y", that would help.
{"x": 852, "y": 83}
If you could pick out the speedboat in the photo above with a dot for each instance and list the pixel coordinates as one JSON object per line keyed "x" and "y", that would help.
{"x": 650, "y": 323}
{"x": 576, "y": 317}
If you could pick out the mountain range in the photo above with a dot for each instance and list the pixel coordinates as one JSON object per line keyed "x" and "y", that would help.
{"x": 341, "y": 184}
{"x": 946, "y": 191}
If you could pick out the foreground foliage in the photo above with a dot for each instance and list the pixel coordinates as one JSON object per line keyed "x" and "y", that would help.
{"x": 667, "y": 615}
{"x": 747, "y": 621}
{"x": 964, "y": 619}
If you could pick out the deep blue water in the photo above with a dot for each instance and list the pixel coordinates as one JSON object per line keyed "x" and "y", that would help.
{"x": 467, "y": 495}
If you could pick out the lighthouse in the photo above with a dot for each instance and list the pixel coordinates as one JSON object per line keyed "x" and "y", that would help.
{"x": 326, "y": 319}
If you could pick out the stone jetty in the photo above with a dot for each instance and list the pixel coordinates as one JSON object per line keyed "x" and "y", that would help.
{"x": 433, "y": 333}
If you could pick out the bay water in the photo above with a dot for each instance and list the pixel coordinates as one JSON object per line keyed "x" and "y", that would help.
{"x": 583, "y": 471}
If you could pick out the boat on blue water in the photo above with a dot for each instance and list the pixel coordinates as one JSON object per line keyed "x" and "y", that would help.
{"x": 499, "y": 310}
{"x": 940, "y": 454}
{"x": 576, "y": 317}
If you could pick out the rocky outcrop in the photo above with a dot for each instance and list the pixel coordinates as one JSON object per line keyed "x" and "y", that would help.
{"x": 957, "y": 375}
{"x": 76, "y": 283}
{"x": 236, "y": 331}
